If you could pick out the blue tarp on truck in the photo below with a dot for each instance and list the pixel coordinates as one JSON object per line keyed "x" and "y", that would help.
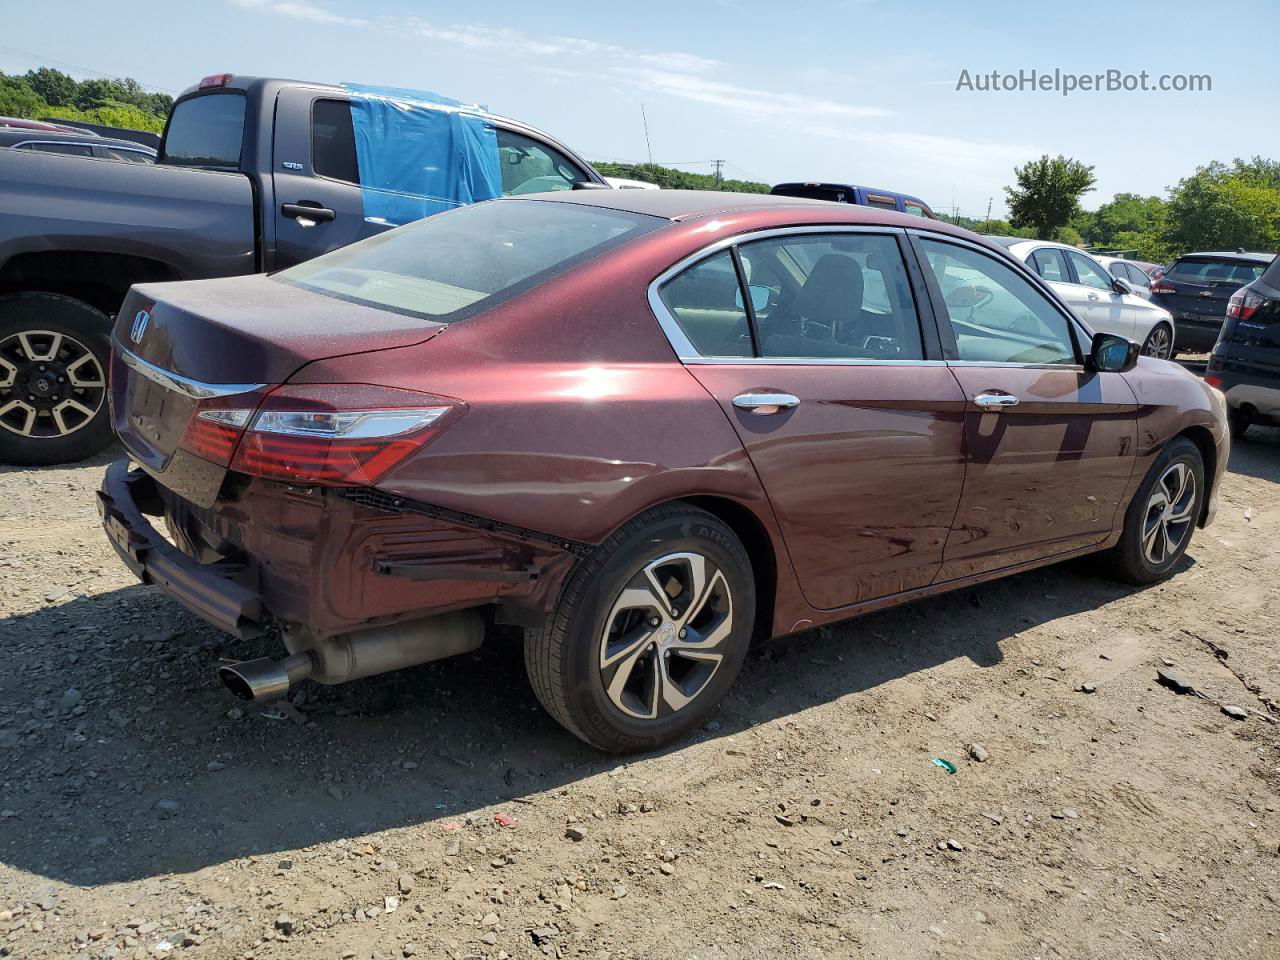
{"x": 446, "y": 155}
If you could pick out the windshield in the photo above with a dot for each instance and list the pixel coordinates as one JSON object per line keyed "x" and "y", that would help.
{"x": 455, "y": 264}
{"x": 206, "y": 131}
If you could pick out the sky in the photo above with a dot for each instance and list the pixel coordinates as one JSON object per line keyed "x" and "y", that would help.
{"x": 858, "y": 91}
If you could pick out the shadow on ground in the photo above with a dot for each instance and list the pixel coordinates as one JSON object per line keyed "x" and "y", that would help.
{"x": 118, "y": 787}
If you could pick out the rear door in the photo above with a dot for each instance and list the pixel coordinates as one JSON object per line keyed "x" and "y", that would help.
{"x": 318, "y": 205}
{"x": 1049, "y": 444}
{"x": 841, "y": 399}
{"x": 1107, "y": 311}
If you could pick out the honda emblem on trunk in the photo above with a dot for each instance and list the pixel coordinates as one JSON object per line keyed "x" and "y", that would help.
{"x": 139, "y": 328}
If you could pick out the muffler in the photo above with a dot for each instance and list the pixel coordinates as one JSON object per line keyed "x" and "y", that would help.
{"x": 353, "y": 656}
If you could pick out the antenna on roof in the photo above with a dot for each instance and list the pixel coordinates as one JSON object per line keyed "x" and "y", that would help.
{"x": 647, "y": 144}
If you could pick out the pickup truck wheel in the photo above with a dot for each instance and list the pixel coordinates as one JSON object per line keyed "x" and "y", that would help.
{"x": 650, "y": 631}
{"x": 54, "y": 353}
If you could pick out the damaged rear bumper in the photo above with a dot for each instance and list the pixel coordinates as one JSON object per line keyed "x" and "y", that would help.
{"x": 207, "y": 590}
{"x": 328, "y": 561}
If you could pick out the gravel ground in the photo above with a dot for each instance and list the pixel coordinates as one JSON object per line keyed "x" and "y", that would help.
{"x": 439, "y": 813}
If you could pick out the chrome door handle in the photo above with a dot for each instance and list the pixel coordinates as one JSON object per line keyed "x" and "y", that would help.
{"x": 992, "y": 399}
{"x": 762, "y": 404}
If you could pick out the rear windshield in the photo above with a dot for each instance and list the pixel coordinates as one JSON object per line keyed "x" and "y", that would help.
{"x": 206, "y": 131}
{"x": 1210, "y": 269}
{"x": 815, "y": 192}
{"x": 455, "y": 264}
{"x": 1272, "y": 275}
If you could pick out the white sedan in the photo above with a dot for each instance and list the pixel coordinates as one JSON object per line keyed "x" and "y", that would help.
{"x": 1106, "y": 303}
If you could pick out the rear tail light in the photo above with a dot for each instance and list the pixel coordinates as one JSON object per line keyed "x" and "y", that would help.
{"x": 212, "y": 433}
{"x": 1243, "y": 304}
{"x": 1213, "y": 380}
{"x": 1162, "y": 287}
{"x": 337, "y": 434}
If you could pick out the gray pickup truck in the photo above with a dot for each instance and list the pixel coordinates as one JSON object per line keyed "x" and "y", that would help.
{"x": 253, "y": 175}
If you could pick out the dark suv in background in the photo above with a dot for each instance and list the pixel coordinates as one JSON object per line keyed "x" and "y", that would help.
{"x": 1245, "y": 363}
{"x": 1196, "y": 288}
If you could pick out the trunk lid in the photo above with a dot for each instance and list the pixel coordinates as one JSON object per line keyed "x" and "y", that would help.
{"x": 180, "y": 348}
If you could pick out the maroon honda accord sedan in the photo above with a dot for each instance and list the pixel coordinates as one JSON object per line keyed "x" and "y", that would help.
{"x": 643, "y": 426}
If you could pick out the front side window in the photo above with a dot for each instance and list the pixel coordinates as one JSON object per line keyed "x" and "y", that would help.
{"x": 913, "y": 208}
{"x": 1089, "y": 272}
{"x": 532, "y": 167}
{"x": 1049, "y": 263}
{"x": 1137, "y": 276}
{"x": 456, "y": 264}
{"x": 832, "y": 295}
{"x": 333, "y": 141}
{"x": 996, "y": 315}
{"x": 206, "y": 131}
{"x": 127, "y": 155}
{"x": 707, "y": 304}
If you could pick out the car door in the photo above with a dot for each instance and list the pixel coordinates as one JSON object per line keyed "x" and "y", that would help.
{"x": 848, "y": 412}
{"x": 318, "y": 204}
{"x": 531, "y": 166}
{"x": 1049, "y": 445}
{"x": 1107, "y": 311}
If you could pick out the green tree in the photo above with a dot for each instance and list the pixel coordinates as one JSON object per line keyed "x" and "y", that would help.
{"x": 1224, "y": 207}
{"x": 17, "y": 99}
{"x": 671, "y": 179}
{"x": 57, "y": 88}
{"x": 1048, "y": 194}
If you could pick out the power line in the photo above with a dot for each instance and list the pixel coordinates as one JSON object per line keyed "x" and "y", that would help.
{"x": 61, "y": 63}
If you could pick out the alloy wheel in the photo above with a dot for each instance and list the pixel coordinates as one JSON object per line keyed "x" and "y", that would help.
{"x": 1159, "y": 344}
{"x": 665, "y": 636}
{"x": 1168, "y": 519}
{"x": 51, "y": 384}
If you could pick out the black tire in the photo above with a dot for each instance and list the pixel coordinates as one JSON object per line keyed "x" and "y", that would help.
{"x": 1148, "y": 344}
{"x": 1130, "y": 559}
{"x": 565, "y": 658}
{"x": 85, "y": 330}
{"x": 1238, "y": 421}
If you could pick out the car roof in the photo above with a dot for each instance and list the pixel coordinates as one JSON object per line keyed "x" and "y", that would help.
{"x": 1241, "y": 255}
{"x": 12, "y": 135}
{"x": 691, "y": 204}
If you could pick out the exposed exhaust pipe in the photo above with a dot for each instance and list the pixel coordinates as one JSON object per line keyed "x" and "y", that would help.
{"x": 353, "y": 656}
{"x": 264, "y": 678}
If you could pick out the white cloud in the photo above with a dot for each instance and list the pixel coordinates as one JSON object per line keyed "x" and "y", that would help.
{"x": 744, "y": 99}
{"x": 299, "y": 10}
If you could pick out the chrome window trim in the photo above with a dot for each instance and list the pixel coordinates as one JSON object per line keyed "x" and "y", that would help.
{"x": 195, "y": 389}
{"x": 688, "y": 353}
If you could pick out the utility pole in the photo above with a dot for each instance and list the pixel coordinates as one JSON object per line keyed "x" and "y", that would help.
{"x": 648, "y": 145}
{"x": 719, "y": 177}
{"x": 987, "y": 223}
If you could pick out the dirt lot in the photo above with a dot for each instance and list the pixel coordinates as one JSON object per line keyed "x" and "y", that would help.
{"x": 143, "y": 815}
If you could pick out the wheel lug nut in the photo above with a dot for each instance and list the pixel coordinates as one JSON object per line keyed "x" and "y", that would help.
{"x": 654, "y": 621}
{"x": 683, "y": 634}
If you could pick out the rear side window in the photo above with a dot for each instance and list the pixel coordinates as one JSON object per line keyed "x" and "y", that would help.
{"x": 881, "y": 202}
{"x": 1050, "y": 264}
{"x": 129, "y": 156}
{"x": 1211, "y": 270}
{"x": 707, "y": 303}
{"x": 206, "y": 131}
{"x": 333, "y": 141}
{"x": 456, "y": 264}
{"x": 840, "y": 296}
{"x": 815, "y": 191}
{"x": 69, "y": 149}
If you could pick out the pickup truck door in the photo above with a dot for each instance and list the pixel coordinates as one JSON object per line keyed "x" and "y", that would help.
{"x": 314, "y": 168}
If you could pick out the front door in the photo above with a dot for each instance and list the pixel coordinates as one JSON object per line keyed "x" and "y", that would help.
{"x": 822, "y": 370}
{"x": 1049, "y": 444}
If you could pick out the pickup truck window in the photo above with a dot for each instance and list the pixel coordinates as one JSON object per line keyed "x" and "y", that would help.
{"x": 333, "y": 141}
{"x": 206, "y": 130}
{"x": 53, "y": 146}
{"x": 532, "y": 167}
{"x": 454, "y": 265}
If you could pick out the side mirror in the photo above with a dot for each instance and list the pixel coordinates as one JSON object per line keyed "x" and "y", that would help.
{"x": 1112, "y": 353}
{"x": 1121, "y": 286}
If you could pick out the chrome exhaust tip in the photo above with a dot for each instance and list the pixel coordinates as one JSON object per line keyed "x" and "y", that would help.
{"x": 265, "y": 678}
